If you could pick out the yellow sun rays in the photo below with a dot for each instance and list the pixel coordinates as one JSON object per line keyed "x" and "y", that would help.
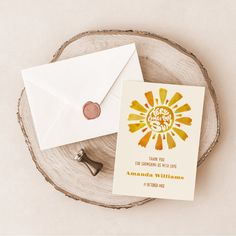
{"x": 150, "y": 98}
{"x": 144, "y": 140}
{"x": 160, "y": 119}
{"x": 163, "y": 93}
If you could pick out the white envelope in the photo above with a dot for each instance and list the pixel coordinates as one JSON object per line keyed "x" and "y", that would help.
{"x": 56, "y": 94}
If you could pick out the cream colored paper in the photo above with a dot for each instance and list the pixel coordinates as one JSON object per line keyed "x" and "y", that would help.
{"x": 158, "y": 140}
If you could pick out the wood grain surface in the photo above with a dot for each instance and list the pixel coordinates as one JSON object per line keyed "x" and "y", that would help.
{"x": 162, "y": 61}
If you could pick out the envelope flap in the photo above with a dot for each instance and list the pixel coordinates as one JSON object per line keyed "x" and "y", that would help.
{"x": 81, "y": 79}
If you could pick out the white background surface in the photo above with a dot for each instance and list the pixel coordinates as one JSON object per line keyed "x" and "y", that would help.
{"x": 31, "y": 31}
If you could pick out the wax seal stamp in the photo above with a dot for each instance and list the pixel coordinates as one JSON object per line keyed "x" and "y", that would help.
{"x": 93, "y": 166}
{"x": 91, "y": 110}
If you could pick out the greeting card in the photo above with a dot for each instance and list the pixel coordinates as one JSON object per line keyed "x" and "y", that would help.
{"x": 158, "y": 140}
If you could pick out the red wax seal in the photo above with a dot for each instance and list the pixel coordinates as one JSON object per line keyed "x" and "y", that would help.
{"x": 91, "y": 110}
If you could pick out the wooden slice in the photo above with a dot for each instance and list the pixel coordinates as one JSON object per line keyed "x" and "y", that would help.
{"x": 162, "y": 61}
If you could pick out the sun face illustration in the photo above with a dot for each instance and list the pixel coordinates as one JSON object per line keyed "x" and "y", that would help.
{"x": 160, "y": 119}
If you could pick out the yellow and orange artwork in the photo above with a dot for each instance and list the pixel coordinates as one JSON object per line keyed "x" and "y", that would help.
{"x": 160, "y": 119}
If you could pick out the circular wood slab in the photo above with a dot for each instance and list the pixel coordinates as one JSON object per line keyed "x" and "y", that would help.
{"x": 162, "y": 61}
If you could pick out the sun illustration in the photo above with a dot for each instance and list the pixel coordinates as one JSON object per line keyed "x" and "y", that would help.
{"x": 160, "y": 119}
